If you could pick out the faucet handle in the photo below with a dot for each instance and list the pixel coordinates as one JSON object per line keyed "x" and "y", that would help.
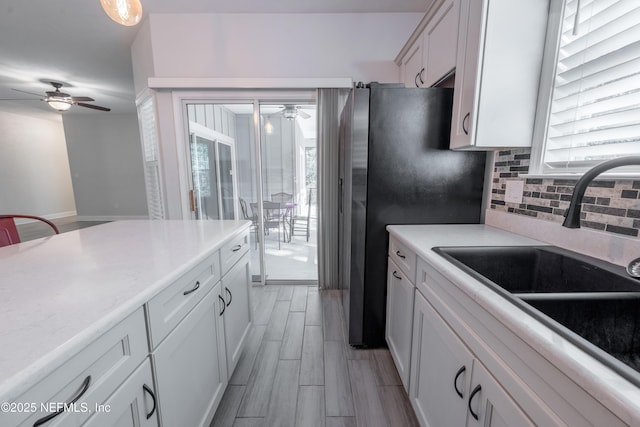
{"x": 634, "y": 268}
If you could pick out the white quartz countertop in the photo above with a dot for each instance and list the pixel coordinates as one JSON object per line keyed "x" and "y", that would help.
{"x": 59, "y": 293}
{"x": 612, "y": 390}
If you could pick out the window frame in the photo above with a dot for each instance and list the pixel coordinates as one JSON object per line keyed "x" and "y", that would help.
{"x": 545, "y": 99}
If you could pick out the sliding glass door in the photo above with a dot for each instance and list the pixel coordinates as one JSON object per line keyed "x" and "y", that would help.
{"x": 255, "y": 160}
{"x": 289, "y": 191}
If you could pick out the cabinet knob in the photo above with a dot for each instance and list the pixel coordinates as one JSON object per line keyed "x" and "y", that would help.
{"x": 400, "y": 255}
{"x": 395, "y": 274}
{"x": 236, "y": 248}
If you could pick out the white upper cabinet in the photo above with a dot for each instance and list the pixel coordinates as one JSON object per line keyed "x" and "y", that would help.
{"x": 431, "y": 56}
{"x": 412, "y": 65}
{"x": 499, "y": 57}
{"x": 440, "y": 39}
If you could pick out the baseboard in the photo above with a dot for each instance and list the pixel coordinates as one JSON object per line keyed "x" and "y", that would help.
{"x": 110, "y": 217}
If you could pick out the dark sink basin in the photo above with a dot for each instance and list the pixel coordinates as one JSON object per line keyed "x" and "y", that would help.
{"x": 534, "y": 269}
{"x": 610, "y": 323}
{"x": 590, "y": 302}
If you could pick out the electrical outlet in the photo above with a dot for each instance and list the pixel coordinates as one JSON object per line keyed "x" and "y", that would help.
{"x": 513, "y": 191}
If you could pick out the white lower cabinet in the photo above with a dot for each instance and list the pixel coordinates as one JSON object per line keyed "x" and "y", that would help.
{"x": 190, "y": 366}
{"x": 134, "y": 404}
{"x": 234, "y": 293}
{"x": 449, "y": 386}
{"x": 399, "y": 326}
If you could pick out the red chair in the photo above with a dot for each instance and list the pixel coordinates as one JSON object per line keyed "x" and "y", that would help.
{"x": 9, "y": 233}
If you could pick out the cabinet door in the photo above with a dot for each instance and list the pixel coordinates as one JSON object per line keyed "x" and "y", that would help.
{"x": 440, "y": 42}
{"x": 237, "y": 312}
{"x": 190, "y": 366}
{"x": 463, "y": 116}
{"x": 132, "y": 405}
{"x": 400, "y": 295}
{"x": 412, "y": 65}
{"x": 490, "y": 405}
{"x": 441, "y": 369}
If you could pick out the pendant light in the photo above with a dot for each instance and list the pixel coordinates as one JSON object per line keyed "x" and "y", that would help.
{"x": 124, "y": 12}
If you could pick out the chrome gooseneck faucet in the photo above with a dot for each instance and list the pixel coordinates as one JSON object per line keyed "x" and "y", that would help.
{"x": 572, "y": 216}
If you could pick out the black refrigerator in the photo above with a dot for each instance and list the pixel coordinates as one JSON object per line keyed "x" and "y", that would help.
{"x": 396, "y": 169}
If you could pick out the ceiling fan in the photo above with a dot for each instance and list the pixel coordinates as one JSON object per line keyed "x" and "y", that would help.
{"x": 61, "y": 101}
{"x": 291, "y": 111}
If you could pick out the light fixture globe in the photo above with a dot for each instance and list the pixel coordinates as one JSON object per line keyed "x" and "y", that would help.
{"x": 124, "y": 12}
{"x": 59, "y": 105}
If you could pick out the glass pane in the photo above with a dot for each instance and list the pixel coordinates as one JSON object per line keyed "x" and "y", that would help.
{"x": 226, "y": 181}
{"x": 288, "y": 151}
{"x": 205, "y": 183}
{"x": 223, "y": 166}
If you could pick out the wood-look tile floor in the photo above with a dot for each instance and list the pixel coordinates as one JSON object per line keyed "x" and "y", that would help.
{"x": 298, "y": 370}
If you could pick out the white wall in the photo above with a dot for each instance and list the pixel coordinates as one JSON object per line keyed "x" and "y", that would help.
{"x": 105, "y": 158}
{"x": 34, "y": 167}
{"x": 360, "y": 46}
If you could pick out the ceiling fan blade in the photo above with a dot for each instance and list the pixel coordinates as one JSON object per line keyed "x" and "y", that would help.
{"x": 81, "y": 99}
{"x": 19, "y": 99}
{"x": 94, "y": 107}
{"x": 303, "y": 114}
{"x": 30, "y": 93}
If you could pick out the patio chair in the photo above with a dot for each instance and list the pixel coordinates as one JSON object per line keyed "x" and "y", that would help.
{"x": 9, "y": 232}
{"x": 272, "y": 217}
{"x": 301, "y": 223}
{"x": 253, "y": 218}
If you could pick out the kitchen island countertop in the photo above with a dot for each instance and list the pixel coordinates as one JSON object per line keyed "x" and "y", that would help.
{"x": 59, "y": 293}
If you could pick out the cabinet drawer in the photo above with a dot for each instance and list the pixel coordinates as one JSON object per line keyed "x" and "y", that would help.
{"x": 232, "y": 251}
{"x": 169, "y": 307}
{"x": 404, "y": 258}
{"x": 91, "y": 376}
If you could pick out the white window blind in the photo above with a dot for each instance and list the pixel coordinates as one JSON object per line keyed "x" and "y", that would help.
{"x": 150, "y": 150}
{"x": 595, "y": 108}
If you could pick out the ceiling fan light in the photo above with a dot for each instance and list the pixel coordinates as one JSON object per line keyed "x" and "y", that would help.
{"x": 59, "y": 105}
{"x": 290, "y": 112}
{"x": 124, "y": 12}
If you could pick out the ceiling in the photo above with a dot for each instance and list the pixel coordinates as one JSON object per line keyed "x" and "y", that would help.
{"x": 74, "y": 42}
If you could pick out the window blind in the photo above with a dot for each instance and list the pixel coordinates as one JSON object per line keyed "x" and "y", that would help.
{"x": 595, "y": 109}
{"x": 150, "y": 150}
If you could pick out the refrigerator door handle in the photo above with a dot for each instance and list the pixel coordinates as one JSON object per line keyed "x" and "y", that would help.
{"x": 340, "y": 194}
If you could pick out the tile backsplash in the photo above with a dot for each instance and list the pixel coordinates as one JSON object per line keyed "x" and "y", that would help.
{"x": 609, "y": 205}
